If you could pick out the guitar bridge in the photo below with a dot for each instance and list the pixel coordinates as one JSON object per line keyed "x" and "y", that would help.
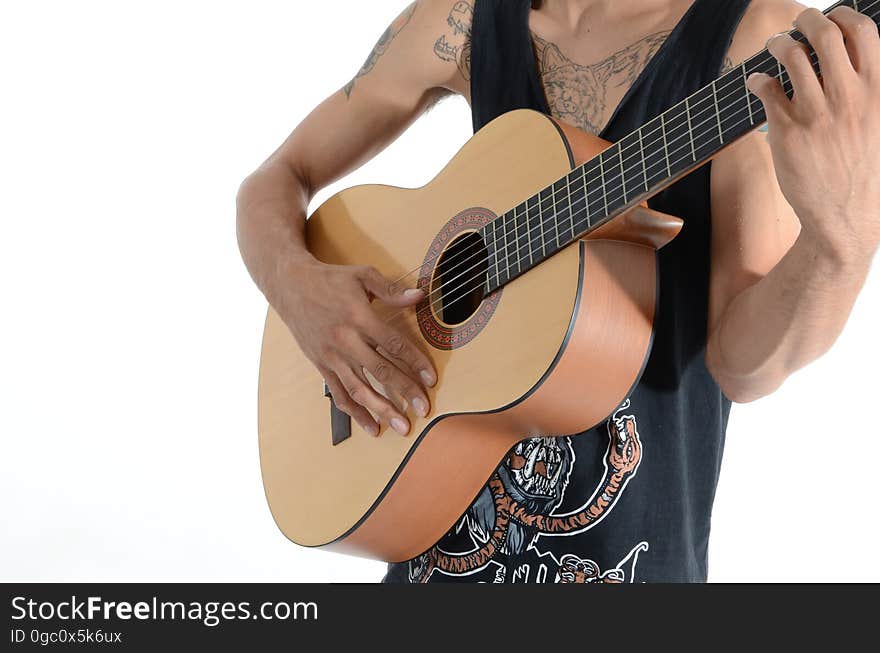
{"x": 340, "y": 423}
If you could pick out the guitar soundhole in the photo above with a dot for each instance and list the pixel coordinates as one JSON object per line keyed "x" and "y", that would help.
{"x": 453, "y": 276}
{"x": 460, "y": 279}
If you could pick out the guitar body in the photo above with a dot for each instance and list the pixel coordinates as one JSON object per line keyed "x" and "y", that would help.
{"x": 554, "y": 352}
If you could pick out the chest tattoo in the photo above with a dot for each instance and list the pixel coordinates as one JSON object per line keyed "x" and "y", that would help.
{"x": 578, "y": 94}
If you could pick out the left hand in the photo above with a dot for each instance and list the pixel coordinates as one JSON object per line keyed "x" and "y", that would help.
{"x": 826, "y": 140}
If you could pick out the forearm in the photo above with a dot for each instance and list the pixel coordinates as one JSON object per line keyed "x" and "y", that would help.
{"x": 785, "y": 321}
{"x": 271, "y": 211}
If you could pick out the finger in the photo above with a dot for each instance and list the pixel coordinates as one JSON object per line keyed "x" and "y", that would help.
{"x": 834, "y": 62}
{"x": 860, "y": 37}
{"x": 389, "y": 292}
{"x": 347, "y": 405}
{"x": 360, "y": 390}
{"x": 400, "y": 349}
{"x": 390, "y": 376}
{"x": 795, "y": 58}
{"x": 775, "y": 101}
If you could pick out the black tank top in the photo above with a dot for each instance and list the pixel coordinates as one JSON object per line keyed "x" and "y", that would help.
{"x": 630, "y": 501}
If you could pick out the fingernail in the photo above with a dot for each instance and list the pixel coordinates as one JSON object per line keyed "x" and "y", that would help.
{"x": 412, "y": 293}
{"x": 428, "y": 377}
{"x": 775, "y": 36}
{"x": 420, "y": 406}
{"x": 372, "y": 429}
{"x": 400, "y": 426}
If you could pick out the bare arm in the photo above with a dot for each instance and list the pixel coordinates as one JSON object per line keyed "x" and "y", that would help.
{"x": 794, "y": 220}
{"x": 328, "y": 307}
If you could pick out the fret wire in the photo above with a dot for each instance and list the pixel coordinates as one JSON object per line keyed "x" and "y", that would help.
{"x": 665, "y": 145}
{"x": 644, "y": 163}
{"x": 687, "y": 108}
{"x": 555, "y": 215}
{"x": 520, "y": 218}
{"x": 551, "y": 210}
{"x": 504, "y": 240}
{"x": 717, "y": 112}
{"x": 541, "y": 228}
{"x": 748, "y": 94}
{"x": 570, "y": 209}
{"x": 495, "y": 252}
{"x": 528, "y": 241}
{"x": 602, "y": 182}
{"x": 586, "y": 197}
{"x": 623, "y": 175}
{"x": 536, "y": 241}
{"x": 516, "y": 241}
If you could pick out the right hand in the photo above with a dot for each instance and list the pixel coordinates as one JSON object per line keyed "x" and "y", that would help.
{"x": 328, "y": 310}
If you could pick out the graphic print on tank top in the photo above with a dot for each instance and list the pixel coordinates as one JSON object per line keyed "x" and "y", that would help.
{"x": 520, "y": 507}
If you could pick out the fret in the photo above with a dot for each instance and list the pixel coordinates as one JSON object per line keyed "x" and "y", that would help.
{"x": 717, "y": 112}
{"x": 503, "y": 223}
{"x": 558, "y": 214}
{"x": 706, "y": 139}
{"x": 533, "y": 215}
{"x": 578, "y": 202}
{"x": 545, "y": 208}
{"x": 687, "y": 110}
{"x": 633, "y": 171}
{"x": 602, "y": 182}
{"x": 748, "y": 93}
{"x": 644, "y": 164}
{"x": 665, "y": 145}
{"x": 623, "y": 176}
{"x": 587, "y": 199}
{"x": 733, "y": 109}
{"x": 516, "y": 242}
{"x": 677, "y": 135}
{"x": 492, "y": 247}
{"x": 520, "y": 214}
{"x": 655, "y": 157}
{"x": 548, "y": 226}
{"x": 613, "y": 189}
{"x": 568, "y": 233}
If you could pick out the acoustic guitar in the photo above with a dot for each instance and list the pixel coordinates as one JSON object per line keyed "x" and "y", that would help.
{"x": 537, "y": 254}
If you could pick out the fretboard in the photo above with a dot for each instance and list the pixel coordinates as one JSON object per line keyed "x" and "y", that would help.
{"x": 638, "y": 166}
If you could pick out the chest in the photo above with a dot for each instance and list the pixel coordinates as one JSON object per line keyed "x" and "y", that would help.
{"x": 586, "y": 71}
{"x": 586, "y": 94}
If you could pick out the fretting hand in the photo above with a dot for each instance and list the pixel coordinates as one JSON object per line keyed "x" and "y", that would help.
{"x": 825, "y": 141}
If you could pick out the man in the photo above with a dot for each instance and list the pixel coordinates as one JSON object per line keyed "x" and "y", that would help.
{"x": 779, "y": 235}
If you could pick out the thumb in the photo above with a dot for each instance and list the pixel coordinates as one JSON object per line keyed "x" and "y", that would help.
{"x": 391, "y": 293}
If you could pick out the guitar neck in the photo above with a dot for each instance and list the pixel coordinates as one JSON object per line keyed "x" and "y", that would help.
{"x": 638, "y": 166}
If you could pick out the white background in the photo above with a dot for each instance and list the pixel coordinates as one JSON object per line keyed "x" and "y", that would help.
{"x": 131, "y": 331}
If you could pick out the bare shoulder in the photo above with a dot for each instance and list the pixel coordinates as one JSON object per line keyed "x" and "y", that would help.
{"x": 762, "y": 19}
{"x": 454, "y": 43}
{"x": 427, "y": 46}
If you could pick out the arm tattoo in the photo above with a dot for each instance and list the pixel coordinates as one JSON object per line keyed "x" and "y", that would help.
{"x": 455, "y": 45}
{"x": 577, "y": 94}
{"x": 382, "y": 45}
